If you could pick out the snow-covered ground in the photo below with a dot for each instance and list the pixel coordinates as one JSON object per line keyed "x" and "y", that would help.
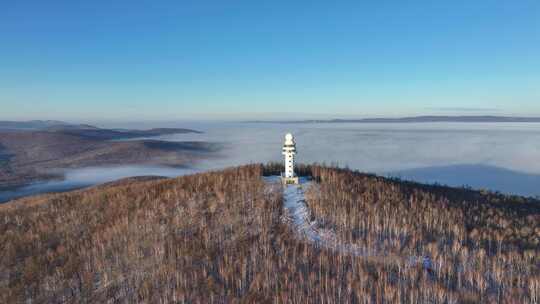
{"x": 297, "y": 214}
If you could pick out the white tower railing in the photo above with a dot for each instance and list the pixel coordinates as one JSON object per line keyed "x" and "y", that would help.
{"x": 289, "y": 151}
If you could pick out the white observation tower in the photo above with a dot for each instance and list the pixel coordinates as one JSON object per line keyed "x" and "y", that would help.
{"x": 289, "y": 151}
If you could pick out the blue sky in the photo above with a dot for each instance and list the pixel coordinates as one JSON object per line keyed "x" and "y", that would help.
{"x": 164, "y": 60}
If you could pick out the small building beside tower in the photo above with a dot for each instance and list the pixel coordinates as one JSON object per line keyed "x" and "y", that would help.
{"x": 289, "y": 151}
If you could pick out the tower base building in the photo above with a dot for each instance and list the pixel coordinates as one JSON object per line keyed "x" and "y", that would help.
{"x": 289, "y": 180}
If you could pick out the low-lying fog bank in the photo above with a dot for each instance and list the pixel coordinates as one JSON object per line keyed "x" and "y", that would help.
{"x": 85, "y": 177}
{"x": 507, "y": 154}
{"x": 476, "y": 177}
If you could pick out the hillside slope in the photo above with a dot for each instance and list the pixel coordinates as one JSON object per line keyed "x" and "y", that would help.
{"x": 28, "y": 156}
{"x": 223, "y": 237}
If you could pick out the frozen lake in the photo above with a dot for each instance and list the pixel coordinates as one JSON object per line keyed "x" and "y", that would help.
{"x": 497, "y": 156}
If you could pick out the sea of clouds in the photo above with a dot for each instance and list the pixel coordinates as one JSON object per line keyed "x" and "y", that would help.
{"x": 497, "y": 156}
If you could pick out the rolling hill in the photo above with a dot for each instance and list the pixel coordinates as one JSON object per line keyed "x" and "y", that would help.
{"x": 225, "y": 237}
{"x": 27, "y": 156}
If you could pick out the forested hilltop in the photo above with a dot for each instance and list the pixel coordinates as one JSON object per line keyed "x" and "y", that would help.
{"x": 223, "y": 237}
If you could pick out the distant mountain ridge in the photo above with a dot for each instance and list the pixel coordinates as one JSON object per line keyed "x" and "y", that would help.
{"x": 419, "y": 119}
{"x": 87, "y": 131}
{"x": 111, "y": 134}
{"x": 33, "y": 124}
